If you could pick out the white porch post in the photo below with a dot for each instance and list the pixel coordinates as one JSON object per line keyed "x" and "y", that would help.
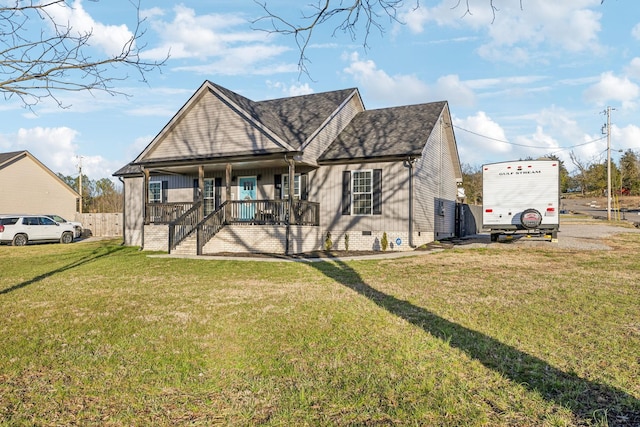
{"x": 201, "y": 189}
{"x": 290, "y": 192}
{"x": 227, "y": 209}
{"x": 145, "y": 193}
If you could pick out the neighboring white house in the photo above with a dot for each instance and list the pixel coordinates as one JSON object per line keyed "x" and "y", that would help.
{"x": 217, "y": 177}
{"x": 28, "y": 186}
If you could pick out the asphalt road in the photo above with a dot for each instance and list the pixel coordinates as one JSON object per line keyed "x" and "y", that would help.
{"x": 597, "y": 210}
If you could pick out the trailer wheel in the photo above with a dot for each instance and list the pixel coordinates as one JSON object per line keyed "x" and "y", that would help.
{"x": 530, "y": 218}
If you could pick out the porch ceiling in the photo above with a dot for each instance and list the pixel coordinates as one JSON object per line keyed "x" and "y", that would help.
{"x": 238, "y": 165}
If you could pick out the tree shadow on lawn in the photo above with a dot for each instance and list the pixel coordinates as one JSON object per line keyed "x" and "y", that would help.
{"x": 588, "y": 400}
{"x": 93, "y": 256}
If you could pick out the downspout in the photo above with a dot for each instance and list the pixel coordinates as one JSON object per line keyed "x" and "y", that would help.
{"x": 124, "y": 210}
{"x": 409, "y": 164}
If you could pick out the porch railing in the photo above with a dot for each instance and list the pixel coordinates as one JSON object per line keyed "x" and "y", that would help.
{"x": 273, "y": 212}
{"x": 306, "y": 213}
{"x": 185, "y": 218}
{"x": 258, "y": 212}
{"x": 165, "y": 213}
{"x": 210, "y": 225}
{"x": 184, "y": 225}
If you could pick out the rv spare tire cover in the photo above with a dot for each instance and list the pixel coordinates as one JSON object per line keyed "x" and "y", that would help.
{"x": 530, "y": 218}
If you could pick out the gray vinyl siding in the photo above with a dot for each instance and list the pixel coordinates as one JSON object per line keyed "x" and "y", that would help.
{"x": 210, "y": 128}
{"x": 435, "y": 183}
{"x": 133, "y": 211}
{"x": 180, "y": 187}
{"x": 331, "y": 130}
{"x": 325, "y": 186}
{"x": 28, "y": 188}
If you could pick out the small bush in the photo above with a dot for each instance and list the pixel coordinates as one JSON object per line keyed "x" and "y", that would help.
{"x": 346, "y": 241}
{"x": 327, "y": 242}
{"x": 384, "y": 243}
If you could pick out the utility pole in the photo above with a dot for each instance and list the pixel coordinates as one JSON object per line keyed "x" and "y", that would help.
{"x": 80, "y": 182}
{"x": 608, "y": 112}
{"x": 608, "y": 163}
{"x": 608, "y": 127}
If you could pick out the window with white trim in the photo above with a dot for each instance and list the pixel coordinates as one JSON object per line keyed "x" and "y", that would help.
{"x": 296, "y": 186}
{"x": 155, "y": 192}
{"x": 362, "y": 192}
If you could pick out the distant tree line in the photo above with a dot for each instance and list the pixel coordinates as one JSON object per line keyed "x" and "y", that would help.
{"x": 98, "y": 196}
{"x": 588, "y": 179}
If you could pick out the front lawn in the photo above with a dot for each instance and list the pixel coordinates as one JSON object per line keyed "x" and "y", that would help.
{"x": 100, "y": 334}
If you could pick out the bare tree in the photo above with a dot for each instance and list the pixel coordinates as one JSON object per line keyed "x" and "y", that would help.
{"x": 581, "y": 176}
{"x": 42, "y": 55}
{"x": 472, "y": 179}
{"x": 351, "y": 17}
{"x": 370, "y": 12}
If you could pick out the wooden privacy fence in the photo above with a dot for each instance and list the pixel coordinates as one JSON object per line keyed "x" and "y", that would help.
{"x": 101, "y": 224}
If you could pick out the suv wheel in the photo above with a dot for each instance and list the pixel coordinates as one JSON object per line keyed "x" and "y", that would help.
{"x": 19, "y": 240}
{"x": 67, "y": 237}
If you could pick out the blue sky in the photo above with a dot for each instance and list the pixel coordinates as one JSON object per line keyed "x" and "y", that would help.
{"x": 526, "y": 82}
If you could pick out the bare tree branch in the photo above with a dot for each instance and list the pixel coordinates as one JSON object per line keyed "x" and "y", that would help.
{"x": 352, "y": 17}
{"x": 40, "y": 56}
{"x": 369, "y": 13}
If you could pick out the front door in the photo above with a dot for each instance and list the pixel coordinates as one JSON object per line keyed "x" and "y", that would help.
{"x": 246, "y": 193}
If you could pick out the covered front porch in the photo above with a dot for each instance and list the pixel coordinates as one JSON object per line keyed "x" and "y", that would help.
{"x": 195, "y": 202}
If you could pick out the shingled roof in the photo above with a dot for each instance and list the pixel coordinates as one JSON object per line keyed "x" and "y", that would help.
{"x": 294, "y": 119}
{"x": 389, "y": 132}
{"x": 291, "y": 122}
{"x": 8, "y": 156}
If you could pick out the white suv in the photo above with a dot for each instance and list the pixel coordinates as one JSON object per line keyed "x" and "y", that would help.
{"x": 76, "y": 225}
{"x": 18, "y": 230}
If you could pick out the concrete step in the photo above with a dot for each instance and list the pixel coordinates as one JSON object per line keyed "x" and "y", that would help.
{"x": 188, "y": 246}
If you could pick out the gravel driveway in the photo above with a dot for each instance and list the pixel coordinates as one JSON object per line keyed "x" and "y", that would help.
{"x": 581, "y": 236}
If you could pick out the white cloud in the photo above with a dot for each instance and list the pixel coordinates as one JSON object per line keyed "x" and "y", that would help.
{"x": 110, "y": 38}
{"x": 635, "y": 32}
{"x": 55, "y": 147}
{"x": 245, "y": 60}
{"x": 406, "y": 89}
{"x": 201, "y": 36}
{"x": 541, "y": 143}
{"x": 138, "y": 147}
{"x": 58, "y": 150}
{"x": 223, "y": 41}
{"x": 483, "y": 140}
{"x": 295, "y": 89}
{"x": 612, "y": 88}
{"x": 557, "y": 132}
{"x": 517, "y": 35}
{"x": 625, "y": 138}
{"x": 633, "y": 69}
{"x": 480, "y": 139}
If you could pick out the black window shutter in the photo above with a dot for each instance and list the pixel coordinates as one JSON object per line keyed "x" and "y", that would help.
{"x": 218, "y": 192}
{"x": 165, "y": 191}
{"x": 195, "y": 190}
{"x": 346, "y": 193}
{"x": 277, "y": 181}
{"x": 303, "y": 187}
{"x": 377, "y": 191}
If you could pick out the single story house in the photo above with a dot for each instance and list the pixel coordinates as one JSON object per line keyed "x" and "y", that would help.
{"x": 293, "y": 175}
{"x": 29, "y": 187}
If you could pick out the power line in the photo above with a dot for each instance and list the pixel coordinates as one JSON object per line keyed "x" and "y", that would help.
{"x": 529, "y": 146}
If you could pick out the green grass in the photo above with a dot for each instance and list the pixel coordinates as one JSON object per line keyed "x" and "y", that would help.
{"x": 100, "y": 334}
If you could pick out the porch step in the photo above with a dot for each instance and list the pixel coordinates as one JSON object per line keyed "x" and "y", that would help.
{"x": 188, "y": 246}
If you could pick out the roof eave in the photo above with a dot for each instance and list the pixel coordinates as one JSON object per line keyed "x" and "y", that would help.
{"x": 370, "y": 159}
